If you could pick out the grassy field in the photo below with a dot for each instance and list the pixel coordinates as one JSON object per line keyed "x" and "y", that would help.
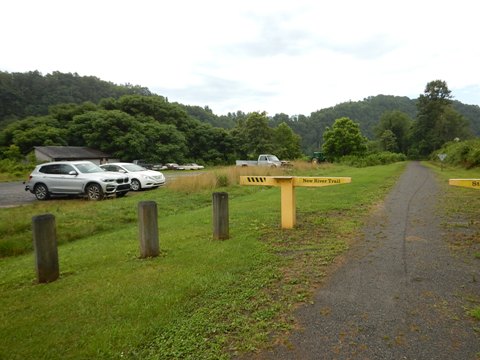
{"x": 461, "y": 204}
{"x": 201, "y": 299}
{"x": 462, "y": 223}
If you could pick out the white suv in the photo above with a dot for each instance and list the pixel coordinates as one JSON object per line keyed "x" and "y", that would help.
{"x": 76, "y": 178}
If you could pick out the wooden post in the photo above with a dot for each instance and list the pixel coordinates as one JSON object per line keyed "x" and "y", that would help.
{"x": 287, "y": 185}
{"x": 148, "y": 229}
{"x": 45, "y": 246}
{"x": 288, "y": 207}
{"x": 220, "y": 216}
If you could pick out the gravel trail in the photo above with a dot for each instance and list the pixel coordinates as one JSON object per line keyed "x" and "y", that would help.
{"x": 400, "y": 293}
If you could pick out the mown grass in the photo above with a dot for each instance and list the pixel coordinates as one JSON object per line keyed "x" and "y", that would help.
{"x": 75, "y": 217}
{"x": 461, "y": 206}
{"x": 201, "y": 299}
{"x": 461, "y": 223}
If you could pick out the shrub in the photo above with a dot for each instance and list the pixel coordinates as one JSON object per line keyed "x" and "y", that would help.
{"x": 14, "y": 170}
{"x": 465, "y": 153}
{"x": 222, "y": 180}
{"x": 381, "y": 158}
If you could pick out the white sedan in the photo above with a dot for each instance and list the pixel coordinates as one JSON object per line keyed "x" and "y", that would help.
{"x": 192, "y": 166}
{"x": 140, "y": 178}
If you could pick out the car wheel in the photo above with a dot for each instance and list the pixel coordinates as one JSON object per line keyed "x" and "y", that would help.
{"x": 135, "y": 185}
{"x": 94, "y": 192}
{"x": 41, "y": 192}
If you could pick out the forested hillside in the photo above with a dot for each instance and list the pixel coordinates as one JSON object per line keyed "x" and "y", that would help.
{"x": 51, "y": 109}
{"x": 471, "y": 113}
{"x": 31, "y": 93}
{"x": 367, "y": 113}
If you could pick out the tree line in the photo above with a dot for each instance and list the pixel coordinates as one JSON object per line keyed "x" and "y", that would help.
{"x": 68, "y": 109}
{"x": 151, "y": 128}
{"x": 436, "y": 123}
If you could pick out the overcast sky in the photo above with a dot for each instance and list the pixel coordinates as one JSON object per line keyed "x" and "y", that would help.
{"x": 293, "y": 57}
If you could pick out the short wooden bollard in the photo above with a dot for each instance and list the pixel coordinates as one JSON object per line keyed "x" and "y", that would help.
{"x": 220, "y": 216}
{"x": 45, "y": 246}
{"x": 148, "y": 226}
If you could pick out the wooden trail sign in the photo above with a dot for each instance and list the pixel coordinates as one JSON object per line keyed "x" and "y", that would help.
{"x": 287, "y": 185}
{"x": 468, "y": 183}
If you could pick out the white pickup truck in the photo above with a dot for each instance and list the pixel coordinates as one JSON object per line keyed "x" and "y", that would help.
{"x": 263, "y": 160}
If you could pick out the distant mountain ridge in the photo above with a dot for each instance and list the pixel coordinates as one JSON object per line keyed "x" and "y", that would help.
{"x": 367, "y": 112}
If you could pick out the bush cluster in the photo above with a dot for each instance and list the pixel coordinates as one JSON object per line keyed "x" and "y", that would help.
{"x": 461, "y": 153}
{"x": 12, "y": 169}
{"x": 380, "y": 158}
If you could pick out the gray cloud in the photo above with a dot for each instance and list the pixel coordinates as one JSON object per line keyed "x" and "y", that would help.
{"x": 275, "y": 37}
{"x": 281, "y": 34}
{"x": 215, "y": 90}
{"x": 374, "y": 47}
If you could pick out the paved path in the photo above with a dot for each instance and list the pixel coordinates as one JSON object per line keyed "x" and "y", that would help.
{"x": 14, "y": 194}
{"x": 400, "y": 292}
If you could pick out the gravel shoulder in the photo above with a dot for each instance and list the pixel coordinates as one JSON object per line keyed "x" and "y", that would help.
{"x": 400, "y": 292}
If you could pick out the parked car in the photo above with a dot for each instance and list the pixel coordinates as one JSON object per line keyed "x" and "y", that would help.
{"x": 149, "y": 166}
{"x": 76, "y": 178}
{"x": 158, "y": 167}
{"x": 192, "y": 166}
{"x": 263, "y": 160}
{"x": 174, "y": 166}
{"x": 140, "y": 178}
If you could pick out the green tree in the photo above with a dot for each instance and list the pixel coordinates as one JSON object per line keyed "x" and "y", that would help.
{"x": 158, "y": 108}
{"x": 253, "y": 136}
{"x": 343, "y": 138}
{"x": 128, "y": 137}
{"x": 451, "y": 125}
{"x": 222, "y": 147}
{"x": 113, "y": 132}
{"x": 42, "y": 135}
{"x": 163, "y": 143}
{"x": 206, "y": 115}
{"x": 33, "y": 131}
{"x": 388, "y": 141}
{"x": 437, "y": 122}
{"x": 13, "y": 153}
{"x": 209, "y": 145}
{"x": 399, "y": 124}
{"x": 287, "y": 143}
{"x": 64, "y": 113}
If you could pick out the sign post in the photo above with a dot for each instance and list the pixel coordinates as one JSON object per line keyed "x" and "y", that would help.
{"x": 442, "y": 157}
{"x": 468, "y": 183}
{"x": 287, "y": 186}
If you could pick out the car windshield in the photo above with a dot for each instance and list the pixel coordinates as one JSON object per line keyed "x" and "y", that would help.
{"x": 89, "y": 168}
{"x": 133, "y": 167}
{"x": 273, "y": 158}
